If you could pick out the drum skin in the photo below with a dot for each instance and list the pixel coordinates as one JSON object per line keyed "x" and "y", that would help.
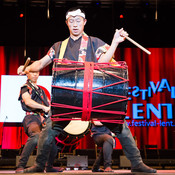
{"x": 72, "y": 76}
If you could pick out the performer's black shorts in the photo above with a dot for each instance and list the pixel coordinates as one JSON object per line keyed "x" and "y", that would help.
{"x": 28, "y": 119}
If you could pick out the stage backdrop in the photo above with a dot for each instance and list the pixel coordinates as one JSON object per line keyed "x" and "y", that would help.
{"x": 150, "y": 113}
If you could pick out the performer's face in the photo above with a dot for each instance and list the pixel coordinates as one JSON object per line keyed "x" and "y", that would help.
{"x": 76, "y": 25}
{"x": 33, "y": 76}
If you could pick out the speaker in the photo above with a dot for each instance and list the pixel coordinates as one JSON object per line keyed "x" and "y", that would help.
{"x": 124, "y": 162}
{"x": 30, "y": 162}
{"x": 77, "y": 161}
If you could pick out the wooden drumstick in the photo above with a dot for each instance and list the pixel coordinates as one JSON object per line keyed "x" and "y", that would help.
{"x": 137, "y": 44}
{"x": 26, "y": 63}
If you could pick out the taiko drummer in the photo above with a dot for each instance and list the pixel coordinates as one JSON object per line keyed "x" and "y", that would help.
{"x": 81, "y": 47}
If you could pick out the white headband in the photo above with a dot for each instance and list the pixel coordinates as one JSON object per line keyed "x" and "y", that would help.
{"x": 75, "y": 13}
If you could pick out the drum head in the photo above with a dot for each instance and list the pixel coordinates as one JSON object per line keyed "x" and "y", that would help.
{"x": 77, "y": 127}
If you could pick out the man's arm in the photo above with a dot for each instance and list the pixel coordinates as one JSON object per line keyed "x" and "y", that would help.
{"x": 35, "y": 66}
{"x": 119, "y": 37}
{"x": 33, "y": 104}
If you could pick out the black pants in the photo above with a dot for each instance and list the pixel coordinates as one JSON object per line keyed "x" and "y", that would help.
{"x": 106, "y": 142}
{"x": 33, "y": 130}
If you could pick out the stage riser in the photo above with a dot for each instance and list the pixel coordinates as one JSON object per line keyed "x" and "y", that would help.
{"x": 8, "y": 159}
{"x": 88, "y": 172}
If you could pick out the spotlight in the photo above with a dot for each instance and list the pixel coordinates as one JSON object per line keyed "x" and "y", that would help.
{"x": 21, "y": 15}
{"x": 96, "y": 3}
{"x": 121, "y": 16}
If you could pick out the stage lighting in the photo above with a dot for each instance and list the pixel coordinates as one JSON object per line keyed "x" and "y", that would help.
{"x": 121, "y": 16}
{"x": 21, "y": 15}
{"x": 96, "y": 3}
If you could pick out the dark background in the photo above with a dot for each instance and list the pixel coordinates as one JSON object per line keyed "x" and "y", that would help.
{"x": 35, "y": 29}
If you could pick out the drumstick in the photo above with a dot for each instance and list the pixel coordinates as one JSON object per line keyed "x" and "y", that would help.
{"x": 26, "y": 63}
{"x": 137, "y": 44}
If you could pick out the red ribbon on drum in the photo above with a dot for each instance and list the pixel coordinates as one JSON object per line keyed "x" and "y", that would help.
{"x": 87, "y": 91}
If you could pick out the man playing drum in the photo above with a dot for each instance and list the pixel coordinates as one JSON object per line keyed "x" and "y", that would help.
{"x": 80, "y": 47}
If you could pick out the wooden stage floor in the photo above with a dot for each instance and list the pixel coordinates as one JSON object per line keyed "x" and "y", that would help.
{"x": 88, "y": 172}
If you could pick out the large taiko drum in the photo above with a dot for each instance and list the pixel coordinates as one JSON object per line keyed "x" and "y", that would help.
{"x": 85, "y": 91}
{"x": 89, "y": 91}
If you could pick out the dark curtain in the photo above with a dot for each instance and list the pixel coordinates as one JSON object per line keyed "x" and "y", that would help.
{"x": 142, "y": 69}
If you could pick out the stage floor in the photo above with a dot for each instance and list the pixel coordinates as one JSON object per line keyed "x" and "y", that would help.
{"x": 88, "y": 172}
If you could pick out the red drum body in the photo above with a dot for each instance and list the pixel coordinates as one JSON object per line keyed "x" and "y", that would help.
{"x": 89, "y": 91}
